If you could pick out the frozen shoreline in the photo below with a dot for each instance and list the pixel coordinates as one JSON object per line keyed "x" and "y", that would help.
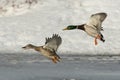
{"x": 22, "y": 56}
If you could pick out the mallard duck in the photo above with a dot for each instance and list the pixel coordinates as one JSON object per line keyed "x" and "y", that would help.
{"x": 49, "y": 49}
{"x": 92, "y": 27}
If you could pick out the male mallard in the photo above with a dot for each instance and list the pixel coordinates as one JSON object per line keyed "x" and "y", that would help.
{"x": 49, "y": 49}
{"x": 92, "y": 27}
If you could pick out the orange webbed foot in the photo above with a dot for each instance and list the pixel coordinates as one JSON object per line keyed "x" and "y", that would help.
{"x": 97, "y": 37}
{"x": 54, "y": 61}
{"x": 57, "y": 58}
{"x": 95, "y": 41}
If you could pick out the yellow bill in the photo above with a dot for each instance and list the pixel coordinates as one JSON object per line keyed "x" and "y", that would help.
{"x": 65, "y": 29}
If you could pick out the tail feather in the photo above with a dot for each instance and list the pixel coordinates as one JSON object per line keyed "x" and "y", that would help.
{"x": 102, "y": 38}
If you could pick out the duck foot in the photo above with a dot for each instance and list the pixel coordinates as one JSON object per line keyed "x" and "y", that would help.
{"x": 54, "y": 61}
{"x": 98, "y": 37}
{"x": 95, "y": 41}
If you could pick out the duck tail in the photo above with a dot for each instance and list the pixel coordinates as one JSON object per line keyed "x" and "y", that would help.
{"x": 102, "y": 38}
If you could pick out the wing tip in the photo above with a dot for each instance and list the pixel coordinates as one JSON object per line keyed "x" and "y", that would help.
{"x": 56, "y": 35}
{"x": 100, "y": 13}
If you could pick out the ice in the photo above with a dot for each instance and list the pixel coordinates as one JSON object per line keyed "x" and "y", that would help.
{"x": 34, "y": 67}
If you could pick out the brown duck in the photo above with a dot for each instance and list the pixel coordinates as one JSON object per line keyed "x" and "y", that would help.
{"x": 49, "y": 49}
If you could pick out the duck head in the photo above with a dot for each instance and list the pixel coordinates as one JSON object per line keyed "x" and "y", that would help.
{"x": 70, "y": 27}
{"x": 28, "y": 46}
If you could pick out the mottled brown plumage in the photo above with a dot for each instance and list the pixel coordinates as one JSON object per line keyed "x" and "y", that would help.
{"x": 49, "y": 49}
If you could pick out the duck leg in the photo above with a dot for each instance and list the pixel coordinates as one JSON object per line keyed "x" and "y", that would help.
{"x": 57, "y": 58}
{"x": 54, "y": 61}
{"x": 95, "y": 41}
{"x": 97, "y": 37}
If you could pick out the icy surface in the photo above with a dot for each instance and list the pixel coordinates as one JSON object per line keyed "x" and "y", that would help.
{"x": 51, "y": 16}
{"x": 75, "y": 67}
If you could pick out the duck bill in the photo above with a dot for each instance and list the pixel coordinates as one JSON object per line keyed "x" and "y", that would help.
{"x": 65, "y": 29}
{"x": 24, "y": 47}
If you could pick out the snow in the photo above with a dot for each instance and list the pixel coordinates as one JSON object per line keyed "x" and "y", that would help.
{"x": 51, "y": 16}
{"x": 15, "y": 7}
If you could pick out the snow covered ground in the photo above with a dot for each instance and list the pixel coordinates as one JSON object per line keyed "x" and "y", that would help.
{"x": 51, "y": 16}
{"x": 15, "y": 7}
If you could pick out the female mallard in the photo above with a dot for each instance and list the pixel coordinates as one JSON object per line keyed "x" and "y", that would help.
{"x": 92, "y": 27}
{"x": 49, "y": 49}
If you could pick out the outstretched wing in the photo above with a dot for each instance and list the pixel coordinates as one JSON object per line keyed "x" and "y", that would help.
{"x": 96, "y": 20}
{"x": 53, "y": 43}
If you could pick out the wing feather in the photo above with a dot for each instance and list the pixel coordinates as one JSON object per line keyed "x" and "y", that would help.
{"x": 53, "y": 43}
{"x": 96, "y": 20}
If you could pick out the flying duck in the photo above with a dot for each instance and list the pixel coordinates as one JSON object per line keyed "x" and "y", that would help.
{"x": 93, "y": 27}
{"x": 49, "y": 49}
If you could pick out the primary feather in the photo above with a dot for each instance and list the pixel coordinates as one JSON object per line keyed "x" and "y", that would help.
{"x": 96, "y": 20}
{"x": 53, "y": 43}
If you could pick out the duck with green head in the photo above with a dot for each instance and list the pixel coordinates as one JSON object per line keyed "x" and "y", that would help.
{"x": 92, "y": 27}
